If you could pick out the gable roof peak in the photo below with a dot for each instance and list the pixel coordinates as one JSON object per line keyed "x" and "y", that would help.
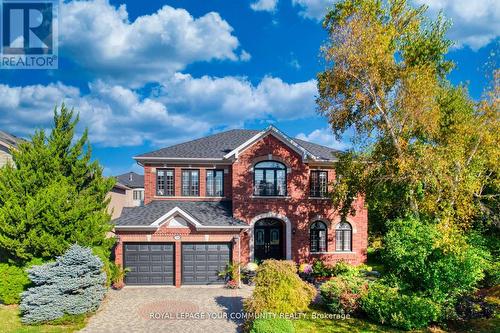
{"x": 271, "y": 129}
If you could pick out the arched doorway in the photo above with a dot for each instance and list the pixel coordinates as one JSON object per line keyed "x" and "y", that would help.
{"x": 269, "y": 239}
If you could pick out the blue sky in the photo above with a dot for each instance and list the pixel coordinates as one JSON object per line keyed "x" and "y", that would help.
{"x": 147, "y": 74}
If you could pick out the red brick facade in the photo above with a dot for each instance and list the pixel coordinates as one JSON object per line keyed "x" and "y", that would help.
{"x": 297, "y": 210}
{"x": 297, "y": 207}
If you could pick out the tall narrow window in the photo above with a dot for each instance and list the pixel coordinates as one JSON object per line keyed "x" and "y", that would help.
{"x": 270, "y": 179}
{"x": 343, "y": 237}
{"x": 319, "y": 183}
{"x": 190, "y": 183}
{"x": 165, "y": 182}
{"x": 318, "y": 237}
{"x": 215, "y": 183}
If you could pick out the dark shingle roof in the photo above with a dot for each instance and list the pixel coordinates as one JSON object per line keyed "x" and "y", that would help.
{"x": 218, "y": 145}
{"x": 212, "y": 146}
{"x": 131, "y": 179}
{"x": 208, "y": 213}
{"x": 9, "y": 139}
{"x": 321, "y": 152}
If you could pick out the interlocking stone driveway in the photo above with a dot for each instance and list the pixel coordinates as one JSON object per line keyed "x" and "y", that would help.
{"x": 178, "y": 310}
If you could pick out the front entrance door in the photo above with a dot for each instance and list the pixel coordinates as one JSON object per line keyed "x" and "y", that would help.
{"x": 268, "y": 239}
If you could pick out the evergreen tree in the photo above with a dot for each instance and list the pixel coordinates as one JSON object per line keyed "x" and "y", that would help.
{"x": 53, "y": 196}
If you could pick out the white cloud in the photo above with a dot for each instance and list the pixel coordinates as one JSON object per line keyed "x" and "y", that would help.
{"x": 181, "y": 109}
{"x": 475, "y": 23}
{"x": 323, "y": 136}
{"x": 115, "y": 116}
{"x": 102, "y": 39}
{"x": 245, "y": 56}
{"x": 265, "y": 5}
{"x": 234, "y": 99}
{"x": 313, "y": 9}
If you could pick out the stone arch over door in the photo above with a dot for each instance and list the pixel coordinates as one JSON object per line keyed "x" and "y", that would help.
{"x": 288, "y": 233}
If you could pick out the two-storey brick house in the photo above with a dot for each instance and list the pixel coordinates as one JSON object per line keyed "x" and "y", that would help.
{"x": 240, "y": 195}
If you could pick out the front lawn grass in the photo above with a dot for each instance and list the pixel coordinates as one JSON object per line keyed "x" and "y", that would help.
{"x": 10, "y": 322}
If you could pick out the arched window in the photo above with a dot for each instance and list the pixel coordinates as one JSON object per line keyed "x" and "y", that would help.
{"x": 269, "y": 179}
{"x": 318, "y": 236}
{"x": 343, "y": 237}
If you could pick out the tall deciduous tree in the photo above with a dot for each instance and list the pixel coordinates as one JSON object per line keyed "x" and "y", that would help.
{"x": 54, "y": 195}
{"x": 421, "y": 146}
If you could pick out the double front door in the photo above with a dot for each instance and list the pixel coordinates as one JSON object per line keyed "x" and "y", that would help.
{"x": 268, "y": 239}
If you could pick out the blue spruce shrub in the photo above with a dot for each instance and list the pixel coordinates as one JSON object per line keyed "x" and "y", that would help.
{"x": 73, "y": 284}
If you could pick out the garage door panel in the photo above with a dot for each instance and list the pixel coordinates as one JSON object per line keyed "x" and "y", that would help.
{"x": 149, "y": 264}
{"x": 202, "y": 262}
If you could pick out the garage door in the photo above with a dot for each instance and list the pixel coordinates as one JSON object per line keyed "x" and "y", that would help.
{"x": 149, "y": 264}
{"x": 201, "y": 262}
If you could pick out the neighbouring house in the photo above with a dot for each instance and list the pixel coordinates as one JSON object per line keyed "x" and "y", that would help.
{"x": 240, "y": 196}
{"x": 127, "y": 192}
{"x": 8, "y": 142}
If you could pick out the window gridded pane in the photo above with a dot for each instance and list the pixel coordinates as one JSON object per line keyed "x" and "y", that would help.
{"x": 319, "y": 183}
{"x": 281, "y": 182}
{"x": 160, "y": 182}
{"x": 260, "y": 184}
{"x": 215, "y": 183}
{"x": 169, "y": 182}
{"x": 164, "y": 182}
{"x": 270, "y": 179}
{"x": 343, "y": 236}
{"x": 318, "y": 237}
{"x": 138, "y": 195}
{"x": 190, "y": 182}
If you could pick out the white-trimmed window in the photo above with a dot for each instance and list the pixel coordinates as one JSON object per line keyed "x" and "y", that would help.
{"x": 138, "y": 195}
{"x": 343, "y": 237}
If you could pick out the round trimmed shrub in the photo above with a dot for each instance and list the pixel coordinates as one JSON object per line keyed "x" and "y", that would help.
{"x": 278, "y": 289}
{"x": 387, "y": 305}
{"x": 73, "y": 284}
{"x": 272, "y": 325}
{"x": 342, "y": 294}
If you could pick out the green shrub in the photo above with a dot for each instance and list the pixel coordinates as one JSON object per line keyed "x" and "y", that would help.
{"x": 342, "y": 268}
{"x": 387, "y": 305}
{"x": 278, "y": 289}
{"x": 492, "y": 274}
{"x": 272, "y": 325}
{"x": 415, "y": 256}
{"x": 342, "y": 293}
{"x": 321, "y": 270}
{"x": 13, "y": 281}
